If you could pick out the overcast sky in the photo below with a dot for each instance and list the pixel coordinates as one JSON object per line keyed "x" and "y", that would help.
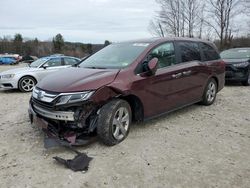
{"x": 77, "y": 20}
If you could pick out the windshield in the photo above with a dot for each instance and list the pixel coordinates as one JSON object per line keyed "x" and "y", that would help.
{"x": 38, "y": 62}
{"x": 115, "y": 56}
{"x": 235, "y": 54}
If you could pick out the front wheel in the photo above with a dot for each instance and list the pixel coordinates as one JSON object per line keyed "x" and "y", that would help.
{"x": 26, "y": 84}
{"x": 246, "y": 82}
{"x": 114, "y": 122}
{"x": 210, "y": 92}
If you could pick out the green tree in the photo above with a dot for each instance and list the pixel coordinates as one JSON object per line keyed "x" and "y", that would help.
{"x": 58, "y": 43}
{"x": 83, "y": 48}
{"x": 106, "y": 43}
{"x": 36, "y": 41}
{"x": 27, "y": 48}
{"x": 18, "y": 38}
{"x": 18, "y": 43}
{"x": 89, "y": 48}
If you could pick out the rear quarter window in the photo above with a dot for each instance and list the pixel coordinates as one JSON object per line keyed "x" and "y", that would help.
{"x": 209, "y": 53}
{"x": 189, "y": 51}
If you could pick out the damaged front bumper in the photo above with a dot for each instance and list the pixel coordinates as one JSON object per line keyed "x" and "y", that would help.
{"x": 55, "y": 115}
{"x": 64, "y": 127}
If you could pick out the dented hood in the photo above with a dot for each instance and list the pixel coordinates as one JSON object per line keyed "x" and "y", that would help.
{"x": 77, "y": 79}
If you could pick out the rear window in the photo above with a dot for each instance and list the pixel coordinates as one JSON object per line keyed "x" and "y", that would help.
{"x": 70, "y": 61}
{"x": 189, "y": 51}
{"x": 209, "y": 53}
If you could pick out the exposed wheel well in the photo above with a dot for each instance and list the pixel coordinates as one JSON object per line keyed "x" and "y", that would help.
{"x": 217, "y": 81}
{"x": 136, "y": 107}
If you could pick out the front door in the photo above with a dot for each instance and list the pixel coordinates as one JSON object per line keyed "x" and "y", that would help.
{"x": 163, "y": 91}
{"x": 51, "y": 66}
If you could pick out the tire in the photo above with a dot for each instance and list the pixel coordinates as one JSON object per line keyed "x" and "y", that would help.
{"x": 246, "y": 82}
{"x": 210, "y": 92}
{"x": 26, "y": 84}
{"x": 110, "y": 129}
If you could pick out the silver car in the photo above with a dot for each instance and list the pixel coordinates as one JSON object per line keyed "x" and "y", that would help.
{"x": 26, "y": 78}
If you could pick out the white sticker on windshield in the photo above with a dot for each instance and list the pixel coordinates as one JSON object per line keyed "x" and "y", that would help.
{"x": 125, "y": 64}
{"x": 141, "y": 44}
{"x": 242, "y": 50}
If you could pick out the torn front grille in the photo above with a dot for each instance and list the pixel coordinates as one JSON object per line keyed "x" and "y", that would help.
{"x": 42, "y": 104}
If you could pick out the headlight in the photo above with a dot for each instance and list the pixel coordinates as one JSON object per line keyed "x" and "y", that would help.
{"x": 75, "y": 97}
{"x": 7, "y": 76}
{"x": 243, "y": 64}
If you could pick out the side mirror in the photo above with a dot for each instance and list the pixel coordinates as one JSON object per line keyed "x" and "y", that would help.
{"x": 45, "y": 66}
{"x": 152, "y": 67}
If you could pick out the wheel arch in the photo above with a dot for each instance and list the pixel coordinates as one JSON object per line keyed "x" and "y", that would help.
{"x": 136, "y": 107}
{"x": 106, "y": 93}
{"x": 28, "y": 75}
{"x": 216, "y": 80}
{"x": 31, "y": 76}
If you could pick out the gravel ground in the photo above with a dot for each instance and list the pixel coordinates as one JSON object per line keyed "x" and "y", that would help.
{"x": 197, "y": 146}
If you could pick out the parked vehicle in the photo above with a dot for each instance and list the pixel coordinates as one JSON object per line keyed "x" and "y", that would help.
{"x": 237, "y": 65}
{"x": 7, "y": 60}
{"x": 28, "y": 59}
{"x": 26, "y": 78}
{"x": 125, "y": 82}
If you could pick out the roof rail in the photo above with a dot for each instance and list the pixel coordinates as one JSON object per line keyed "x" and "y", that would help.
{"x": 55, "y": 55}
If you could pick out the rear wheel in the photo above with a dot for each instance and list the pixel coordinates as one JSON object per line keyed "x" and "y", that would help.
{"x": 114, "y": 122}
{"x": 246, "y": 82}
{"x": 26, "y": 84}
{"x": 210, "y": 92}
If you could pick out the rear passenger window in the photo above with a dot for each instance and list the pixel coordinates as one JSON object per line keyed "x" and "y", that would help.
{"x": 209, "y": 53}
{"x": 54, "y": 62}
{"x": 70, "y": 61}
{"x": 189, "y": 51}
{"x": 165, "y": 54}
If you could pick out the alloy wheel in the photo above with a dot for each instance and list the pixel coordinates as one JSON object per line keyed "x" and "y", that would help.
{"x": 28, "y": 84}
{"x": 211, "y": 92}
{"x": 120, "y": 123}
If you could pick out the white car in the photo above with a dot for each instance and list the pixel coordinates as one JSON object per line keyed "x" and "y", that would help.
{"x": 26, "y": 78}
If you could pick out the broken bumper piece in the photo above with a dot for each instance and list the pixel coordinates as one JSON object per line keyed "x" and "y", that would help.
{"x": 56, "y": 135}
{"x": 79, "y": 163}
{"x": 55, "y": 115}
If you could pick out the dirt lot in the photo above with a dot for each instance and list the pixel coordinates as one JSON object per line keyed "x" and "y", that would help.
{"x": 194, "y": 147}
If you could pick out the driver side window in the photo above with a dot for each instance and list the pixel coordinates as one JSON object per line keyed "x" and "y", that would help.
{"x": 165, "y": 54}
{"x": 54, "y": 62}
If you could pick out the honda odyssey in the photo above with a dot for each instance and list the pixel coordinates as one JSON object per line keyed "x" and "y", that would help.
{"x": 124, "y": 83}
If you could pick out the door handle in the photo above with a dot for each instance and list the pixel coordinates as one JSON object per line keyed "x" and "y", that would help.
{"x": 178, "y": 75}
{"x": 187, "y": 73}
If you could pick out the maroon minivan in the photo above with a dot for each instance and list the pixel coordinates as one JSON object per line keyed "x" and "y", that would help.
{"x": 126, "y": 82}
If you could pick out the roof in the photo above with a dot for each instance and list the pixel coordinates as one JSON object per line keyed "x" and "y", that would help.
{"x": 165, "y": 39}
{"x": 58, "y": 55}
